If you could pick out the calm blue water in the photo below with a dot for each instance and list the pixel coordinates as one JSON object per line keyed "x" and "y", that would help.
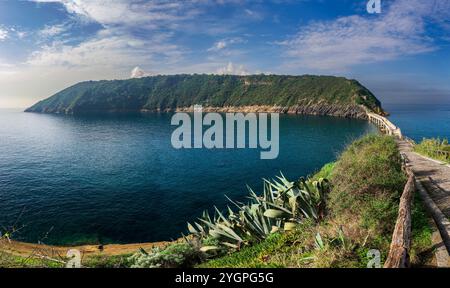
{"x": 419, "y": 121}
{"x": 117, "y": 178}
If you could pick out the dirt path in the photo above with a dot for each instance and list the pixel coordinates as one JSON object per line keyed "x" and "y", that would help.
{"x": 59, "y": 252}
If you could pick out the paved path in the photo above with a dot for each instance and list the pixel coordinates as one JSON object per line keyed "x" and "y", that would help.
{"x": 432, "y": 174}
{"x": 433, "y": 184}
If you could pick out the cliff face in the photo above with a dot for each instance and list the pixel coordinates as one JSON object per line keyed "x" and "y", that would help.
{"x": 320, "y": 109}
{"x": 314, "y": 95}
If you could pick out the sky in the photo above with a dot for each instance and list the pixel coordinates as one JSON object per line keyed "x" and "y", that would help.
{"x": 401, "y": 54}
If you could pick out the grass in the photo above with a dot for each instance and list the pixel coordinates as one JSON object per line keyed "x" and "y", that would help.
{"x": 325, "y": 172}
{"x": 277, "y": 251}
{"x": 13, "y": 261}
{"x": 367, "y": 181}
{"x": 102, "y": 261}
{"x": 8, "y": 260}
{"x": 256, "y": 256}
{"x": 97, "y": 261}
{"x": 434, "y": 148}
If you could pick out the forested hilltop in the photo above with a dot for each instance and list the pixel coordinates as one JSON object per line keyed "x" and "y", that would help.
{"x": 307, "y": 94}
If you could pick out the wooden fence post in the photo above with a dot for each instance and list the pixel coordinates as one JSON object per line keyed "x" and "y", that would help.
{"x": 401, "y": 239}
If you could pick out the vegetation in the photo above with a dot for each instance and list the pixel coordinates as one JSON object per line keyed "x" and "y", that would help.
{"x": 305, "y": 246}
{"x": 165, "y": 92}
{"x": 14, "y": 261}
{"x": 107, "y": 261}
{"x": 434, "y": 148}
{"x": 281, "y": 207}
{"x": 174, "y": 255}
{"x": 34, "y": 260}
{"x": 366, "y": 182}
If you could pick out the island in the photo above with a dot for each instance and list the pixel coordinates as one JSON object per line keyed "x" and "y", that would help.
{"x": 306, "y": 94}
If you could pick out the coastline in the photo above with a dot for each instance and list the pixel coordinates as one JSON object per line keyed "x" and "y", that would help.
{"x": 314, "y": 109}
{"x": 24, "y": 249}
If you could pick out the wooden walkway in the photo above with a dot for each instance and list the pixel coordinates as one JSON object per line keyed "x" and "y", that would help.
{"x": 433, "y": 175}
{"x": 433, "y": 186}
{"x": 432, "y": 182}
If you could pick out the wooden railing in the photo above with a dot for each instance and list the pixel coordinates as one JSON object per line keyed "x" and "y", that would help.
{"x": 384, "y": 124}
{"x": 398, "y": 256}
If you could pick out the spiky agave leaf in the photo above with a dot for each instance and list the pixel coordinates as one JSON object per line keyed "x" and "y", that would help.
{"x": 191, "y": 229}
{"x": 221, "y": 217}
{"x": 209, "y": 248}
{"x": 200, "y": 228}
{"x": 223, "y": 236}
{"x": 278, "y": 207}
{"x": 230, "y": 232}
{"x": 319, "y": 242}
{"x": 276, "y": 214}
{"x": 253, "y": 228}
{"x": 283, "y": 204}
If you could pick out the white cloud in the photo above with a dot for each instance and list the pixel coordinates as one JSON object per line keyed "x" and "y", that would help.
{"x": 116, "y": 46}
{"x": 21, "y": 34}
{"x": 129, "y": 13}
{"x": 108, "y": 49}
{"x": 253, "y": 14}
{"x": 232, "y": 69}
{"x": 50, "y": 31}
{"x": 225, "y": 43}
{"x": 3, "y": 34}
{"x": 6, "y": 68}
{"x": 249, "y": 12}
{"x": 351, "y": 40}
{"x": 218, "y": 46}
{"x": 137, "y": 72}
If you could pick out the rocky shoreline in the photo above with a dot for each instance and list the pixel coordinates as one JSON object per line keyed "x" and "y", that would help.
{"x": 318, "y": 109}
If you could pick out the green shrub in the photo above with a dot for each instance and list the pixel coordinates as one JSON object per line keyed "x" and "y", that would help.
{"x": 8, "y": 260}
{"x": 108, "y": 261}
{"x": 325, "y": 172}
{"x": 434, "y": 148}
{"x": 173, "y": 256}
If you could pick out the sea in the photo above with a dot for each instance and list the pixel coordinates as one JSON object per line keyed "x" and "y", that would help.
{"x": 68, "y": 180}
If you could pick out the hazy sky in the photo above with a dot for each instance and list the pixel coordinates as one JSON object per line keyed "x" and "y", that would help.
{"x": 402, "y": 54}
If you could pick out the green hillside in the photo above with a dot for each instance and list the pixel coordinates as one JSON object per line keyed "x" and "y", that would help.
{"x": 169, "y": 92}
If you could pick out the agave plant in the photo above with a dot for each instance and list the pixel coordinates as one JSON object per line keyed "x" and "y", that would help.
{"x": 282, "y": 205}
